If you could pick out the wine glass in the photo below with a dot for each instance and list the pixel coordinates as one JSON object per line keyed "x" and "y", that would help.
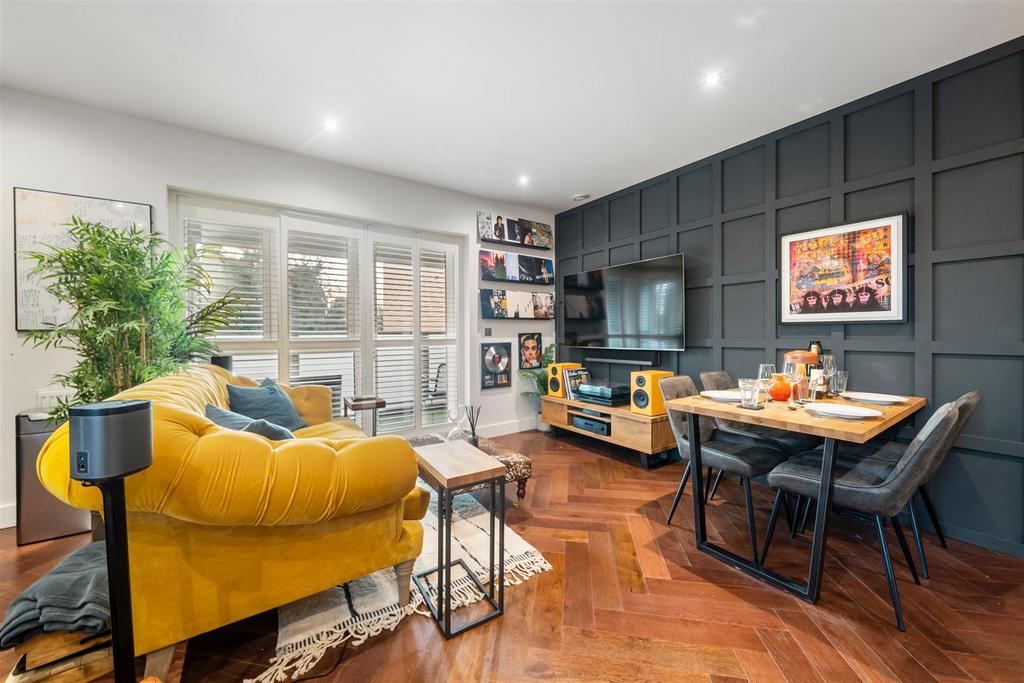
{"x": 791, "y": 371}
{"x": 764, "y": 375}
{"x": 828, "y": 368}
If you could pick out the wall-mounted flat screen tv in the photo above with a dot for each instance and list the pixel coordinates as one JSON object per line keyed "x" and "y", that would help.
{"x": 635, "y": 306}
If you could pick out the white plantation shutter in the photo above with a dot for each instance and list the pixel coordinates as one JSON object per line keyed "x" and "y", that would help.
{"x": 339, "y": 370}
{"x": 392, "y": 290}
{"x": 241, "y": 259}
{"x": 323, "y": 286}
{"x": 357, "y": 308}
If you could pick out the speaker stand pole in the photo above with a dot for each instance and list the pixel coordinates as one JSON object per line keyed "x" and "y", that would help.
{"x": 116, "y": 527}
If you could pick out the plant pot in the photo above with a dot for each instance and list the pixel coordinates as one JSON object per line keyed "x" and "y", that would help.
{"x": 542, "y": 426}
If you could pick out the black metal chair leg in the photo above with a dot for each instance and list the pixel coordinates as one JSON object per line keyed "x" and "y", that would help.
{"x": 890, "y": 575}
{"x": 788, "y": 511}
{"x": 679, "y": 493}
{"x": 751, "y": 524}
{"x": 898, "y": 528}
{"x": 707, "y": 485}
{"x": 714, "y": 487}
{"x": 780, "y": 501}
{"x": 807, "y": 514}
{"x": 917, "y": 538}
{"x": 930, "y": 509}
{"x": 800, "y": 503}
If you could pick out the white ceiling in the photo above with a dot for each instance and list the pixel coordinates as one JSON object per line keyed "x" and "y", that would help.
{"x": 580, "y": 97}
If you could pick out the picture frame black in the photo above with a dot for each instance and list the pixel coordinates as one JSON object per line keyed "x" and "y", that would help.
{"x": 495, "y": 365}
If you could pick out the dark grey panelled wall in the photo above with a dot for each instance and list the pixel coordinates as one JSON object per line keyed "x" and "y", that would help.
{"x": 946, "y": 147}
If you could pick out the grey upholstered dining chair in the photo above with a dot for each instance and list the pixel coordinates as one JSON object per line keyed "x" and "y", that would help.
{"x": 862, "y": 487}
{"x": 882, "y": 457}
{"x": 790, "y": 443}
{"x": 736, "y": 455}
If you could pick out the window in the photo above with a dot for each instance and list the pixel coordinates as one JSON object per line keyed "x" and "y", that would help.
{"x": 304, "y": 302}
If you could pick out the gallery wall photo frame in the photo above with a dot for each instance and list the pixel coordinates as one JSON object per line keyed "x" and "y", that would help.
{"x": 495, "y": 365}
{"x": 530, "y": 350}
{"x": 40, "y": 221}
{"x": 503, "y": 229}
{"x": 507, "y": 304}
{"x": 507, "y": 266}
{"x": 847, "y": 273}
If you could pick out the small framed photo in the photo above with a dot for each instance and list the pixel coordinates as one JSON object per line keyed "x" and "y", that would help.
{"x": 531, "y": 348}
{"x": 845, "y": 274}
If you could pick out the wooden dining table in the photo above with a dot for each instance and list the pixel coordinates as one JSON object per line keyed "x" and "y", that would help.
{"x": 778, "y": 415}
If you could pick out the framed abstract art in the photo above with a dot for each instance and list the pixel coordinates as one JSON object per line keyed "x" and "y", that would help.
{"x": 855, "y": 272}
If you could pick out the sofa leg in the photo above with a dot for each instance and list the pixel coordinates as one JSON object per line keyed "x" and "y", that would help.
{"x": 520, "y": 492}
{"x": 158, "y": 663}
{"x": 404, "y": 572}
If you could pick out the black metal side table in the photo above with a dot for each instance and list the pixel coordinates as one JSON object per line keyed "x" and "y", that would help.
{"x": 453, "y": 467}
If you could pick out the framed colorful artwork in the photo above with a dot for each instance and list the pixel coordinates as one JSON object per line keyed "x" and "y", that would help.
{"x": 505, "y": 266}
{"x": 531, "y": 350}
{"x": 846, "y": 273}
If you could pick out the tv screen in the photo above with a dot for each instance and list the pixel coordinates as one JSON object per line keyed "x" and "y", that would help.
{"x": 636, "y": 306}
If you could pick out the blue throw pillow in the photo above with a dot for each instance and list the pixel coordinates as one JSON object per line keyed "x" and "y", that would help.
{"x": 266, "y": 402}
{"x": 226, "y": 418}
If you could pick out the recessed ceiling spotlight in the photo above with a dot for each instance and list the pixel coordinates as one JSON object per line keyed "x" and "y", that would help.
{"x": 331, "y": 125}
{"x": 524, "y": 180}
{"x": 581, "y": 197}
{"x": 712, "y": 78}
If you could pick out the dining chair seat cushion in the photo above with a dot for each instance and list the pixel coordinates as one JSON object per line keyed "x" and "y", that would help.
{"x": 791, "y": 443}
{"x": 890, "y": 451}
{"x": 739, "y": 457}
{"x": 871, "y": 485}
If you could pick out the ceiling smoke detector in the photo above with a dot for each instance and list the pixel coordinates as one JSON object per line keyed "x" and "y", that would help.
{"x": 581, "y": 197}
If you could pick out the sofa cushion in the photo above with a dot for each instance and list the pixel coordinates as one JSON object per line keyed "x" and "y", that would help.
{"x": 230, "y": 420}
{"x": 340, "y": 429}
{"x": 266, "y": 402}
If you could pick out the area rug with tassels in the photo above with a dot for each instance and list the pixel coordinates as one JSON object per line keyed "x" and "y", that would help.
{"x": 355, "y": 611}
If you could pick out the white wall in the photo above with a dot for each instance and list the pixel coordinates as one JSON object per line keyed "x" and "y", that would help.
{"x": 56, "y": 145}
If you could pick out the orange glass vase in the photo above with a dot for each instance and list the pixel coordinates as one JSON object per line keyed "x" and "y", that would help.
{"x": 779, "y": 389}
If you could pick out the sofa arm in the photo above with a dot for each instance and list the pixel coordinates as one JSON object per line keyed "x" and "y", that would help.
{"x": 313, "y": 402}
{"x": 416, "y": 503}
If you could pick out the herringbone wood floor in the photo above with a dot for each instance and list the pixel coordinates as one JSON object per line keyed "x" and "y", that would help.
{"x": 631, "y": 599}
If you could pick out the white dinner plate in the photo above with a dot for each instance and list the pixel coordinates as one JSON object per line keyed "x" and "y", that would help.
{"x": 841, "y": 411}
{"x": 877, "y": 399}
{"x": 725, "y": 396}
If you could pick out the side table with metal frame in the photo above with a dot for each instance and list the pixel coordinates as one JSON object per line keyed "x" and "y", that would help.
{"x": 359, "y": 403}
{"x": 451, "y": 468}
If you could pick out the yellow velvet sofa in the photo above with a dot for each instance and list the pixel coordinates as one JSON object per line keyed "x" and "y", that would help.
{"x": 227, "y": 524}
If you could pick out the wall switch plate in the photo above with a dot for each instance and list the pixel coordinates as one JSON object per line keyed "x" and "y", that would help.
{"x": 487, "y": 332}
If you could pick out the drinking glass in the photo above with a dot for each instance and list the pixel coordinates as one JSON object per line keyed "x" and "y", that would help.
{"x": 764, "y": 374}
{"x": 751, "y": 393}
{"x": 828, "y": 365}
{"x": 839, "y": 381}
{"x": 800, "y": 391}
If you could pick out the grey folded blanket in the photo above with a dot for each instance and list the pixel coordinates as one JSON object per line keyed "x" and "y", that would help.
{"x": 73, "y": 596}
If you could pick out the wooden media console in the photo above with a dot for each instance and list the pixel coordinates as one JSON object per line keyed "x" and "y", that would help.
{"x": 649, "y": 435}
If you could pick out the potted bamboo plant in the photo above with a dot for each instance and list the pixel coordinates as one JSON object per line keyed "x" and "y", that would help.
{"x": 141, "y": 309}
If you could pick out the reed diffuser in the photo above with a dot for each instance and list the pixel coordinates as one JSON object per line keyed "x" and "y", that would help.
{"x": 473, "y": 415}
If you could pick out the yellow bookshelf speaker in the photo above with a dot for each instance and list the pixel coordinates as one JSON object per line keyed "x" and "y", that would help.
{"x": 556, "y": 387}
{"x": 645, "y": 395}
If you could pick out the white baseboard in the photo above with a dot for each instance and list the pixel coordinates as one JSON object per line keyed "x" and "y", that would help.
{"x": 8, "y": 515}
{"x": 522, "y": 424}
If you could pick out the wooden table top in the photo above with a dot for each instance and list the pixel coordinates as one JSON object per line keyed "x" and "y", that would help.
{"x": 364, "y": 402}
{"x": 779, "y": 416}
{"x": 456, "y": 463}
